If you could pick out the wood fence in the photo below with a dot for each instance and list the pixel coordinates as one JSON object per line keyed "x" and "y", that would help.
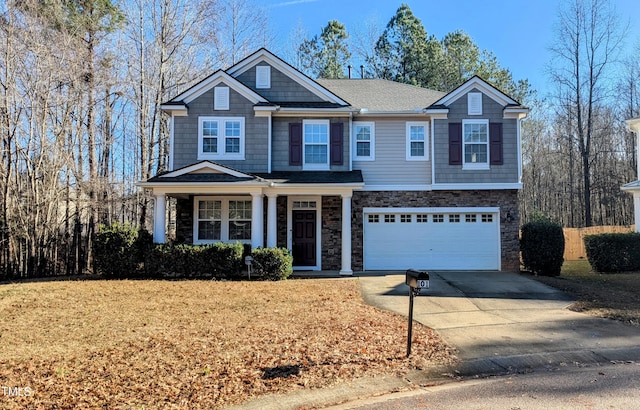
{"x": 573, "y": 239}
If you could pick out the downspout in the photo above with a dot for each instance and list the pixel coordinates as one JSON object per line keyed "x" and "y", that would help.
{"x": 350, "y": 141}
{"x": 269, "y": 138}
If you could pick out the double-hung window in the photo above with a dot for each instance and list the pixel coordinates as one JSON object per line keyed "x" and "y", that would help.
{"x": 417, "y": 138}
{"x": 219, "y": 219}
{"x": 364, "y": 141}
{"x": 475, "y": 137}
{"x": 315, "y": 136}
{"x": 221, "y": 138}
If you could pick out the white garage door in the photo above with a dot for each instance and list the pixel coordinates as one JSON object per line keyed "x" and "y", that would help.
{"x": 431, "y": 238}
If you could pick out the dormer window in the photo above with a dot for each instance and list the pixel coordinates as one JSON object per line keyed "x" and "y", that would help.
{"x": 263, "y": 76}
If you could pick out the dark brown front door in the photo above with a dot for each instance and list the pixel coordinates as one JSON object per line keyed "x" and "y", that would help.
{"x": 304, "y": 238}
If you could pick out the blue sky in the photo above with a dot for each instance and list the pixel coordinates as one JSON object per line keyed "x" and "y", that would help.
{"x": 518, "y": 32}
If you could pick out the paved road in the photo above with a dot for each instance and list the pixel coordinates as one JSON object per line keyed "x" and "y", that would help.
{"x": 614, "y": 386}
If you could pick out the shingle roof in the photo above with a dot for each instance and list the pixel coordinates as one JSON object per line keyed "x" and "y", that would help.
{"x": 381, "y": 95}
{"x": 203, "y": 177}
{"x": 314, "y": 177}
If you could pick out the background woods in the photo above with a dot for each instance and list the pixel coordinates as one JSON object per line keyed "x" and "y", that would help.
{"x": 81, "y": 82}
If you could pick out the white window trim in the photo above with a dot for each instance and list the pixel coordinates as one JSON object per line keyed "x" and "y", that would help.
{"x": 316, "y": 167}
{"x": 221, "y": 154}
{"x": 475, "y": 166}
{"x": 221, "y": 98}
{"x": 425, "y": 125}
{"x": 372, "y": 141}
{"x": 263, "y": 72}
{"x": 224, "y": 221}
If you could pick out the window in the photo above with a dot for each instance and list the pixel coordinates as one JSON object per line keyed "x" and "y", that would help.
{"x": 389, "y": 218}
{"x": 209, "y": 220}
{"x": 221, "y": 138}
{"x": 454, "y": 218}
{"x": 239, "y": 220}
{"x": 374, "y": 219}
{"x": 364, "y": 141}
{"x": 222, "y": 219}
{"x": 316, "y": 144}
{"x": 422, "y": 218}
{"x": 487, "y": 218}
{"x": 470, "y": 218}
{"x": 304, "y": 204}
{"x": 221, "y": 98}
{"x": 405, "y": 218}
{"x": 475, "y": 137}
{"x": 263, "y": 76}
{"x": 438, "y": 218}
{"x": 417, "y": 149}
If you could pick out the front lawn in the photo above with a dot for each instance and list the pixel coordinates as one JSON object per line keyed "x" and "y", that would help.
{"x": 194, "y": 344}
{"x": 615, "y": 296}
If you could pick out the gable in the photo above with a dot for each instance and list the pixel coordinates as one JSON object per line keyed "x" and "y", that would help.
{"x": 477, "y": 84}
{"x": 215, "y": 79}
{"x": 205, "y": 167}
{"x": 288, "y": 77}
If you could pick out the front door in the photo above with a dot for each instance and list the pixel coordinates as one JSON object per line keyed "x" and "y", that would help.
{"x": 304, "y": 238}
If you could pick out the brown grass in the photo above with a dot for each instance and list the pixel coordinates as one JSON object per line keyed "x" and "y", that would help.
{"x": 194, "y": 344}
{"x": 615, "y": 296}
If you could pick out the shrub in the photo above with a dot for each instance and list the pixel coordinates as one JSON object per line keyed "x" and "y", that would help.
{"x": 613, "y": 252}
{"x": 272, "y": 263}
{"x": 114, "y": 251}
{"x": 542, "y": 247}
{"x": 219, "y": 261}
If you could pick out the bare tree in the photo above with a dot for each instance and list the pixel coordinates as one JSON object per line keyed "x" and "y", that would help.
{"x": 588, "y": 39}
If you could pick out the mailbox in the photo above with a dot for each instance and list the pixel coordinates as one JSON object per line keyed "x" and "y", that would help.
{"x": 417, "y": 279}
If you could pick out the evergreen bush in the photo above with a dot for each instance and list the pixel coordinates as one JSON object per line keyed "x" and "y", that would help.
{"x": 542, "y": 246}
{"x": 613, "y": 252}
{"x": 272, "y": 263}
{"x": 114, "y": 251}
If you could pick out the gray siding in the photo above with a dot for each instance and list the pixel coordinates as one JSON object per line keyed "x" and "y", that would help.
{"x": 506, "y": 173}
{"x": 283, "y": 88}
{"x": 185, "y": 143}
{"x": 391, "y": 166}
{"x": 281, "y": 144}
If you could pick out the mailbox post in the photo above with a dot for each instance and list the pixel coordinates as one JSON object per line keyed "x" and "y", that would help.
{"x": 416, "y": 280}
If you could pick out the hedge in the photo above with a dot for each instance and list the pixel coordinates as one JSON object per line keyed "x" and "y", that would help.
{"x": 613, "y": 252}
{"x": 118, "y": 250}
{"x": 272, "y": 263}
{"x": 218, "y": 261}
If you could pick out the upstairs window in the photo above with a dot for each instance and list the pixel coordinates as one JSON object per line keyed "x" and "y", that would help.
{"x": 221, "y": 138}
{"x": 316, "y": 144}
{"x": 475, "y": 136}
{"x": 364, "y": 141}
{"x": 417, "y": 149}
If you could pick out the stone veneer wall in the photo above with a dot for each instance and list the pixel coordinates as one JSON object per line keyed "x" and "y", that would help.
{"x": 331, "y": 234}
{"x": 281, "y": 223}
{"x": 184, "y": 220}
{"x": 506, "y": 200}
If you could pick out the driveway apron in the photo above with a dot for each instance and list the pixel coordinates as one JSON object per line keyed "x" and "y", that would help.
{"x": 502, "y": 322}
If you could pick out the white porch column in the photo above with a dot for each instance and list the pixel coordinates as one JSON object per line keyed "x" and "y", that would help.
{"x": 257, "y": 221}
{"x": 636, "y": 209}
{"x": 272, "y": 220}
{"x": 159, "y": 219}
{"x": 346, "y": 235}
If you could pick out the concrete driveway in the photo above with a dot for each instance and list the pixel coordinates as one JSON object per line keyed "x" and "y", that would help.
{"x": 504, "y": 322}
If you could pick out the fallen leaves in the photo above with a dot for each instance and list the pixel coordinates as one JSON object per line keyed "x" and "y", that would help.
{"x": 195, "y": 344}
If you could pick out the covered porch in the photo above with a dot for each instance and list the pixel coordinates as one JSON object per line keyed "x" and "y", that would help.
{"x": 308, "y": 213}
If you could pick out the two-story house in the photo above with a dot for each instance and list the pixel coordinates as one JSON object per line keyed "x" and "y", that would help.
{"x": 352, "y": 174}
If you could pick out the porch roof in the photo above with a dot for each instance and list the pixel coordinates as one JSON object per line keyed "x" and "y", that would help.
{"x": 313, "y": 177}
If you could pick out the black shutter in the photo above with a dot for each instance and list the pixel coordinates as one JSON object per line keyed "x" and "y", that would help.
{"x": 295, "y": 143}
{"x": 336, "y": 143}
{"x": 495, "y": 143}
{"x": 455, "y": 143}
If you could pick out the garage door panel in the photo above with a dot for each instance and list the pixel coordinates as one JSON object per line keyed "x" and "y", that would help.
{"x": 444, "y": 243}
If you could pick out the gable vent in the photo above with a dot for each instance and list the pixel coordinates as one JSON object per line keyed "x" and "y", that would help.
{"x": 221, "y": 98}
{"x": 474, "y": 103}
{"x": 263, "y": 76}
